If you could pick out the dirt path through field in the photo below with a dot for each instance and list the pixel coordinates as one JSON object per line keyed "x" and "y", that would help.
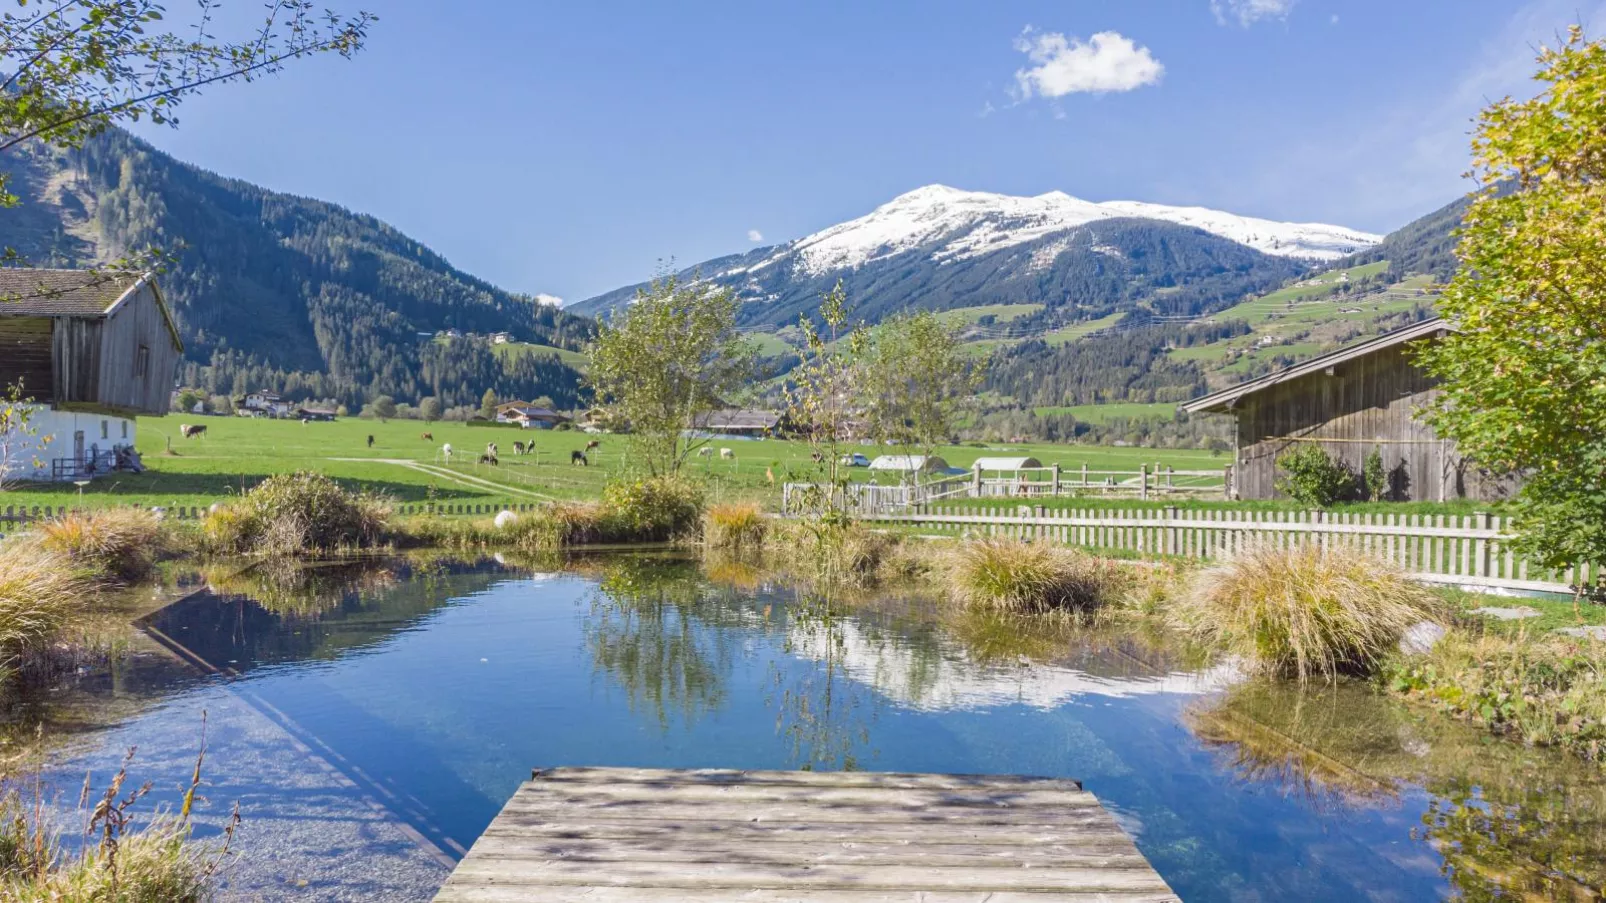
{"x": 462, "y": 479}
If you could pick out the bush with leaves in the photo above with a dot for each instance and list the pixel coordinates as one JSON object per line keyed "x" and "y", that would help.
{"x": 1373, "y": 477}
{"x": 297, "y": 514}
{"x": 1310, "y": 476}
{"x": 654, "y": 509}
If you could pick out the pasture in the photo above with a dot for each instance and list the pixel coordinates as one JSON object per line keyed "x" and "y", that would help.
{"x": 236, "y": 453}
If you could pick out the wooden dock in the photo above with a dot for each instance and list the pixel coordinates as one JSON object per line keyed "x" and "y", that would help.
{"x": 632, "y": 835}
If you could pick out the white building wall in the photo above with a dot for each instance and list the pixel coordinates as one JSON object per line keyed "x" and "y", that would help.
{"x": 54, "y": 435}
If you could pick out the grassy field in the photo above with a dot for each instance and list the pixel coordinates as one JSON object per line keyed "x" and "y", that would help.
{"x": 575, "y": 359}
{"x": 1104, "y": 413}
{"x": 237, "y": 453}
{"x": 1003, "y": 313}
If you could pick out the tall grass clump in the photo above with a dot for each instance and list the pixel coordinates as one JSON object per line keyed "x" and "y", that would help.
{"x": 1303, "y": 611}
{"x": 735, "y": 526}
{"x": 1012, "y": 576}
{"x": 655, "y": 509}
{"x": 40, "y": 590}
{"x": 120, "y": 544}
{"x": 296, "y": 514}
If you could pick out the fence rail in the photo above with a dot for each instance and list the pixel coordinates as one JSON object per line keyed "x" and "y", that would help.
{"x": 1470, "y": 550}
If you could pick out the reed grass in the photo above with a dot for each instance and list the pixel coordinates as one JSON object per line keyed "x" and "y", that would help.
{"x": 1013, "y": 576}
{"x": 114, "y": 544}
{"x": 1308, "y": 611}
{"x": 40, "y": 591}
{"x": 297, "y": 514}
{"x": 734, "y": 526}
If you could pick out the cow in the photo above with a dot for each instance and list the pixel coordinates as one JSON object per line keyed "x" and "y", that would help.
{"x": 490, "y": 459}
{"x": 192, "y": 431}
{"x": 726, "y": 454}
{"x": 490, "y": 449}
{"x": 370, "y": 440}
{"x": 427, "y": 437}
{"x": 817, "y": 457}
{"x": 705, "y": 452}
{"x": 578, "y": 457}
{"x": 594, "y": 443}
{"x": 518, "y": 447}
{"x": 446, "y": 452}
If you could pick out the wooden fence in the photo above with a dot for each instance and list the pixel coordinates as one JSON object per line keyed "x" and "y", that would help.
{"x": 1027, "y": 483}
{"x": 1469, "y": 550}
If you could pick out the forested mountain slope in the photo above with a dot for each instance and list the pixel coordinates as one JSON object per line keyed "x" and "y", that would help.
{"x": 277, "y": 291}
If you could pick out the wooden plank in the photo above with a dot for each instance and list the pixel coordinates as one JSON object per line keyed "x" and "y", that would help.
{"x": 649, "y": 835}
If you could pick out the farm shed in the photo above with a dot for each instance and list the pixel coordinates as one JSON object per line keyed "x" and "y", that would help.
{"x": 91, "y": 350}
{"x": 1004, "y": 465}
{"x": 737, "y": 423}
{"x": 1351, "y": 401}
{"x": 909, "y": 464}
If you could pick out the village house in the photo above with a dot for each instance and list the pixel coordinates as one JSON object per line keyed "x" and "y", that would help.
{"x": 262, "y": 403}
{"x": 528, "y": 416}
{"x": 1368, "y": 396}
{"x": 501, "y": 338}
{"x": 752, "y": 424}
{"x": 91, "y": 351}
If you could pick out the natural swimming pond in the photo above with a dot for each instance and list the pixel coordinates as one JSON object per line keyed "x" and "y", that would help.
{"x": 372, "y": 719}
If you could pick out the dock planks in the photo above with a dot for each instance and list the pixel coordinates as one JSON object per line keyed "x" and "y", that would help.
{"x": 637, "y": 835}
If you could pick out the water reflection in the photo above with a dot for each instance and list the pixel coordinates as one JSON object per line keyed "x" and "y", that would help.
{"x": 1506, "y": 821}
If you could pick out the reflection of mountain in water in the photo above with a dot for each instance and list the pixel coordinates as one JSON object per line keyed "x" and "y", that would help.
{"x": 931, "y": 671}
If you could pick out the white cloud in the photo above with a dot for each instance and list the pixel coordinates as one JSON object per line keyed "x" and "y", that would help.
{"x": 754, "y": 235}
{"x": 548, "y": 300}
{"x": 1248, "y": 12}
{"x": 1334, "y": 19}
{"x": 1108, "y": 61}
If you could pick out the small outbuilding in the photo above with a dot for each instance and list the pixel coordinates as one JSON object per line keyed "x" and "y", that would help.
{"x": 1351, "y": 401}
{"x": 909, "y": 464}
{"x": 1005, "y": 465}
{"x": 733, "y": 422}
{"x": 90, "y": 350}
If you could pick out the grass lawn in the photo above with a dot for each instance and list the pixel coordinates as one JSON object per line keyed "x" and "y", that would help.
{"x": 1002, "y": 312}
{"x": 238, "y": 452}
{"x": 1067, "y": 334}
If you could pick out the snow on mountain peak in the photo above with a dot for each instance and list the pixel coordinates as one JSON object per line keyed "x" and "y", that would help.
{"x": 967, "y": 223}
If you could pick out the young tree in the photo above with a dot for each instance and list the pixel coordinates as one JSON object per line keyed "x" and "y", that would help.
{"x": 430, "y": 408}
{"x": 1525, "y": 371}
{"x": 383, "y": 407}
{"x": 187, "y": 399}
{"x": 913, "y": 379}
{"x": 488, "y": 405}
{"x": 821, "y": 406}
{"x": 73, "y": 68}
{"x": 671, "y": 355}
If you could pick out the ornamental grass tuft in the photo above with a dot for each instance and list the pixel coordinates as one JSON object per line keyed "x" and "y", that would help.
{"x": 116, "y": 544}
{"x": 297, "y": 514}
{"x": 734, "y": 526}
{"x": 1303, "y": 611}
{"x": 1019, "y": 577}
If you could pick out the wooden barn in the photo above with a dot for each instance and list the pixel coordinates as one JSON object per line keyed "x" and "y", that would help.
{"x": 92, "y": 350}
{"x": 1351, "y": 401}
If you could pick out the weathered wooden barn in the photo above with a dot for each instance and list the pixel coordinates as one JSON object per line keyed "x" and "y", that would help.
{"x": 1368, "y": 396}
{"x": 92, "y": 350}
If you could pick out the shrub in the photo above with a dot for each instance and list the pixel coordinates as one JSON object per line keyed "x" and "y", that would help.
{"x": 654, "y": 509}
{"x": 1311, "y": 477}
{"x": 1374, "y": 477}
{"x": 734, "y": 526}
{"x": 293, "y": 514}
{"x": 40, "y": 589}
{"x": 112, "y": 543}
{"x": 1546, "y": 691}
{"x": 1014, "y": 576}
{"x": 1303, "y": 611}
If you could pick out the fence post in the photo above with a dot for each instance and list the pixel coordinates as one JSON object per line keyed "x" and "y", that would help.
{"x": 1171, "y": 530}
{"x": 1226, "y": 481}
{"x": 1482, "y": 551}
{"x": 1143, "y": 482}
{"x": 1169, "y": 472}
{"x": 1084, "y": 474}
{"x": 1056, "y": 478}
{"x": 975, "y": 482}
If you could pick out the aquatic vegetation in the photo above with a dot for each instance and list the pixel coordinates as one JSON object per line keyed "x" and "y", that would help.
{"x": 1010, "y": 575}
{"x": 655, "y": 509}
{"x": 734, "y": 526}
{"x": 297, "y": 514}
{"x": 40, "y": 591}
{"x": 120, "y": 544}
{"x": 1303, "y": 611}
{"x": 1544, "y": 690}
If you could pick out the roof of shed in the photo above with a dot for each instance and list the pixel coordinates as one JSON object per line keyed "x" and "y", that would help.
{"x": 28, "y": 292}
{"x": 1005, "y": 463}
{"x": 1224, "y": 400}
{"x": 908, "y": 462}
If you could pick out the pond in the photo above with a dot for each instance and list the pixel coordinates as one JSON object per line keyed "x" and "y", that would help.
{"x": 372, "y": 719}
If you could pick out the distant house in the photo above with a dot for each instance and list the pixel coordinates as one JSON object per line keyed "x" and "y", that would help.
{"x": 92, "y": 350}
{"x": 528, "y": 415}
{"x": 454, "y": 333}
{"x": 317, "y": 415}
{"x": 734, "y": 422}
{"x": 1351, "y": 401}
{"x": 262, "y": 403}
{"x": 501, "y": 338}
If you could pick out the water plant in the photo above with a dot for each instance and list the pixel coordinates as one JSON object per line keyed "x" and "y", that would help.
{"x": 40, "y": 589}
{"x": 734, "y": 526}
{"x": 1304, "y": 611}
{"x": 119, "y": 544}
{"x": 297, "y": 514}
{"x": 1010, "y": 575}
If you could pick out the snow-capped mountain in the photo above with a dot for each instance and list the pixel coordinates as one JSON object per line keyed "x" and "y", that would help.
{"x": 942, "y": 247}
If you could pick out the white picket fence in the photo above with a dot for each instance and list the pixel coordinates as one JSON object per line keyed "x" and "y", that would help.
{"x": 1469, "y": 550}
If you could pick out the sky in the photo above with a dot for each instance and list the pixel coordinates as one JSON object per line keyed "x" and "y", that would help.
{"x": 569, "y": 148}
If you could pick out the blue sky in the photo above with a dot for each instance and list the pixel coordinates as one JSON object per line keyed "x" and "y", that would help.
{"x": 567, "y": 147}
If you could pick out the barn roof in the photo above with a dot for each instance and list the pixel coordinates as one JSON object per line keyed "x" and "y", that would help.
{"x": 908, "y": 463}
{"x": 1223, "y": 401}
{"x": 78, "y": 294}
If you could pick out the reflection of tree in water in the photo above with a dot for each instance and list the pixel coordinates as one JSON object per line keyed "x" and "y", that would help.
{"x": 1507, "y": 821}
{"x": 666, "y": 635}
{"x": 821, "y": 710}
